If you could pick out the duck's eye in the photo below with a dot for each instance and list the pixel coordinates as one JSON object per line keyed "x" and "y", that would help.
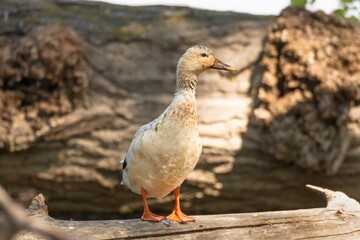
{"x": 203, "y": 55}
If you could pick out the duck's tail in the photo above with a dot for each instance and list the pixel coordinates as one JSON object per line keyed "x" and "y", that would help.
{"x": 123, "y": 163}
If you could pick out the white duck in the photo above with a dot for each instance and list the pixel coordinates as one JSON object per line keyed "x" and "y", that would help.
{"x": 164, "y": 151}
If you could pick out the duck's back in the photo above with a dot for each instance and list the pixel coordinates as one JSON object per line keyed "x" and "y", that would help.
{"x": 166, "y": 150}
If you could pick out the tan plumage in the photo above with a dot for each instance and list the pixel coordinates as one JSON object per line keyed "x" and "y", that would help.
{"x": 164, "y": 151}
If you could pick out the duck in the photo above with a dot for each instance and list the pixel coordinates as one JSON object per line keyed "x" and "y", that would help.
{"x": 164, "y": 151}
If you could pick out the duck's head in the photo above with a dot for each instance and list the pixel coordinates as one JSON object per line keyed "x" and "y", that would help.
{"x": 195, "y": 61}
{"x": 198, "y": 59}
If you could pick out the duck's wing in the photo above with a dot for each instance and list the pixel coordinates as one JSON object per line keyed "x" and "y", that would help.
{"x": 145, "y": 129}
{"x": 142, "y": 132}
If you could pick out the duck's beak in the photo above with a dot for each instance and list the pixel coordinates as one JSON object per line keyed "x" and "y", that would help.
{"x": 222, "y": 66}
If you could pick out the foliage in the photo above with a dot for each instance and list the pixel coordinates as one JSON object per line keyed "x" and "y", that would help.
{"x": 298, "y": 3}
{"x": 347, "y": 8}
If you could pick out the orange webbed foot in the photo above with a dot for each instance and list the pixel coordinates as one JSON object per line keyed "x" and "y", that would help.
{"x": 151, "y": 217}
{"x": 148, "y": 215}
{"x": 179, "y": 216}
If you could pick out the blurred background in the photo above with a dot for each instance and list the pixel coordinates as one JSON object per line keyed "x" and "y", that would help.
{"x": 254, "y": 7}
{"x": 78, "y": 78}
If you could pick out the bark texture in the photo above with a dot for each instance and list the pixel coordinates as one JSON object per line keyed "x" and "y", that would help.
{"x": 124, "y": 76}
{"x": 42, "y": 77}
{"x": 310, "y": 83}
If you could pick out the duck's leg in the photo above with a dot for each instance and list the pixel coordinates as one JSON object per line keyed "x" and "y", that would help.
{"x": 148, "y": 215}
{"x": 177, "y": 215}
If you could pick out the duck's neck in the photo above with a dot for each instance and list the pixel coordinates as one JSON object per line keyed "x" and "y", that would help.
{"x": 185, "y": 81}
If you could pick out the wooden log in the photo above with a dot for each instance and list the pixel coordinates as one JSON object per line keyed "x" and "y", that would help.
{"x": 339, "y": 220}
{"x": 14, "y": 219}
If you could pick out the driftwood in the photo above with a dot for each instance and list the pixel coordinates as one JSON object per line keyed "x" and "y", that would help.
{"x": 14, "y": 219}
{"x": 129, "y": 56}
{"x": 339, "y": 220}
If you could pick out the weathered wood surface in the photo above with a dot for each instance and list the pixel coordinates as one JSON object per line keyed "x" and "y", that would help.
{"x": 130, "y": 56}
{"x": 339, "y": 220}
{"x": 14, "y": 219}
{"x": 315, "y": 223}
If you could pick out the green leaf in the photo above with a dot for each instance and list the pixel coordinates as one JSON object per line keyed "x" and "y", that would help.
{"x": 340, "y": 12}
{"x": 298, "y": 3}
